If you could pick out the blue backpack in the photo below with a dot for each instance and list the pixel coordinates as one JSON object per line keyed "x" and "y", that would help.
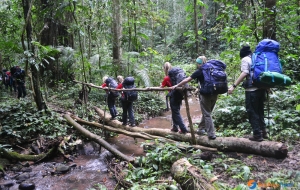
{"x": 112, "y": 83}
{"x": 176, "y": 75}
{"x": 215, "y": 78}
{"x": 129, "y": 96}
{"x": 266, "y": 70}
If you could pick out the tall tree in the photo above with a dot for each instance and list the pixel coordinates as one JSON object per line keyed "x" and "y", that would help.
{"x": 117, "y": 33}
{"x": 196, "y": 27}
{"x": 269, "y": 29}
{"x": 27, "y": 5}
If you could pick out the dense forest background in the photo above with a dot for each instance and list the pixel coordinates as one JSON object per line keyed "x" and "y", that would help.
{"x": 57, "y": 42}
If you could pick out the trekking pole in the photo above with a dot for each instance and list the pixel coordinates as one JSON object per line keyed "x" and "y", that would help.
{"x": 268, "y": 98}
{"x": 268, "y": 109}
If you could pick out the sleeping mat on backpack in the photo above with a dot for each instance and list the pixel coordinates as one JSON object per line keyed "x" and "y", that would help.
{"x": 273, "y": 79}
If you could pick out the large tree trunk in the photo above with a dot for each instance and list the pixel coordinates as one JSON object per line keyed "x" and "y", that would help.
{"x": 98, "y": 139}
{"x": 196, "y": 28}
{"x": 232, "y": 144}
{"x": 117, "y": 35}
{"x": 269, "y": 30}
{"x": 35, "y": 74}
{"x": 196, "y": 181}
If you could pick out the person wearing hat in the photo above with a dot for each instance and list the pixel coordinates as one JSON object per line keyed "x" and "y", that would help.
{"x": 255, "y": 97}
{"x": 207, "y": 102}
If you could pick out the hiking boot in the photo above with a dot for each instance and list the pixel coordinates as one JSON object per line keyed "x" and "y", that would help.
{"x": 264, "y": 134}
{"x": 184, "y": 131}
{"x": 201, "y": 132}
{"x": 256, "y": 138}
{"x": 174, "y": 130}
{"x": 212, "y": 137}
{"x": 124, "y": 124}
{"x": 113, "y": 118}
{"x": 132, "y": 125}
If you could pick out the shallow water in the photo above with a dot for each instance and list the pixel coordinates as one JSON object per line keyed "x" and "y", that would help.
{"x": 91, "y": 170}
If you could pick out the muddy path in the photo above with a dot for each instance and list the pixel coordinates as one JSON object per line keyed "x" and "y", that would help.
{"x": 132, "y": 147}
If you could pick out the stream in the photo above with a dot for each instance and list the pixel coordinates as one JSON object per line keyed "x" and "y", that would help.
{"x": 88, "y": 170}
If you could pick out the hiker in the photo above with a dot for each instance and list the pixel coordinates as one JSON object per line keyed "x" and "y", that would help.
{"x": 120, "y": 80}
{"x": 175, "y": 102}
{"x": 207, "y": 102}
{"x": 127, "y": 101}
{"x": 19, "y": 78}
{"x": 13, "y": 82}
{"x": 255, "y": 97}
{"x": 167, "y": 82}
{"x": 111, "y": 96}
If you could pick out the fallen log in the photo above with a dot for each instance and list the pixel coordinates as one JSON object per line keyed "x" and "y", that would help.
{"x": 97, "y": 139}
{"x": 11, "y": 155}
{"x": 231, "y": 144}
{"x": 189, "y": 176}
{"x": 141, "y": 135}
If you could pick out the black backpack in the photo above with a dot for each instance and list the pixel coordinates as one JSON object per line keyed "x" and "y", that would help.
{"x": 176, "y": 75}
{"x": 112, "y": 83}
{"x": 19, "y": 75}
{"x": 129, "y": 95}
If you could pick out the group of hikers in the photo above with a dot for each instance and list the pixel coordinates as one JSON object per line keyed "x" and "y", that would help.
{"x": 127, "y": 98}
{"x": 14, "y": 80}
{"x": 212, "y": 80}
{"x": 254, "y": 97}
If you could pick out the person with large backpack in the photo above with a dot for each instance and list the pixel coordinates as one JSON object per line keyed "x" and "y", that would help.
{"x": 213, "y": 81}
{"x": 168, "y": 83}
{"x": 127, "y": 99}
{"x": 255, "y": 96}
{"x": 19, "y": 78}
{"x": 174, "y": 76}
{"x": 111, "y": 95}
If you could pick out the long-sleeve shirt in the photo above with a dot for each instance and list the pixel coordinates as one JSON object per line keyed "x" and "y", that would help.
{"x": 166, "y": 82}
{"x": 120, "y": 86}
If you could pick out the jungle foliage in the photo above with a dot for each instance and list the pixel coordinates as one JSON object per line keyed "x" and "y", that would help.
{"x": 62, "y": 40}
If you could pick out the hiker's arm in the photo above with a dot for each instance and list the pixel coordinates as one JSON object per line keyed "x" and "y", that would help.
{"x": 186, "y": 80}
{"x": 237, "y": 82}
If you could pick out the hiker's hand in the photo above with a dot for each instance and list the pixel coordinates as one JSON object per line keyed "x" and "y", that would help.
{"x": 230, "y": 90}
{"x": 173, "y": 87}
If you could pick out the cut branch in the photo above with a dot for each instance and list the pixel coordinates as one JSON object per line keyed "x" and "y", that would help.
{"x": 97, "y": 139}
{"x": 141, "y": 135}
{"x": 189, "y": 177}
{"x": 21, "y": 157}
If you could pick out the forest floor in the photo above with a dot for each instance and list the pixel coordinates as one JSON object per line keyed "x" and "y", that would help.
{"x": 265, "y": 171}
{"x": 254, "y": 171}
{"x": 231, "y": 169}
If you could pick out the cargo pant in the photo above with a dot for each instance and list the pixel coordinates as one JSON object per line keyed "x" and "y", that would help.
{"x": 207, "y": 104}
